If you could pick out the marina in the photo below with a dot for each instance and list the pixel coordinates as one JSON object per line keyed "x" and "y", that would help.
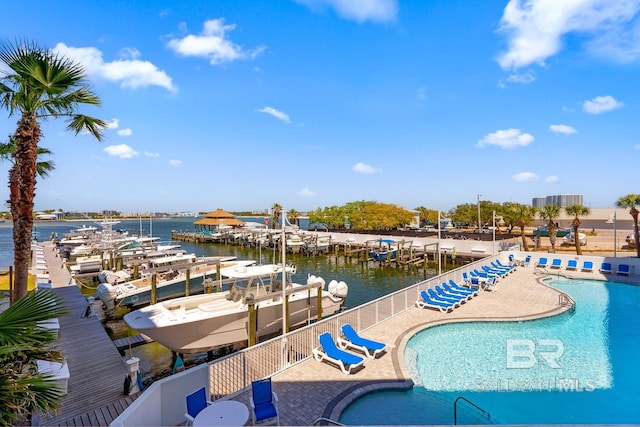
{"x": 374, "y": 317}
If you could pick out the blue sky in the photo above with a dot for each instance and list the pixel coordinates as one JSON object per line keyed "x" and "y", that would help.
{"x": 312, "y": 103}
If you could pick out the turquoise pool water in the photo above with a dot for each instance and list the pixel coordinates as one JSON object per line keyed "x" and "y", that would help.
{"x": 579, "y": 367}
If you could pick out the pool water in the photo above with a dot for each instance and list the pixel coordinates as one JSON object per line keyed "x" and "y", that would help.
{"x": 578, "y": 367}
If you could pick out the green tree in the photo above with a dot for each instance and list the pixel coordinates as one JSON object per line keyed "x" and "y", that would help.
{"x": 550, "y": 214}
{"x": 37, "y": 85}
{"x": 293, "y": 216}
{"x": 521, "y": 216}
{"x": 577, "y": 211}
{"x": 630, "y": 201}
{"x": 22, "y": 342}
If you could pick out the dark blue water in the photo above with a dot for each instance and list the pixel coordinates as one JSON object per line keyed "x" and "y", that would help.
{"x": 595, "y": 380}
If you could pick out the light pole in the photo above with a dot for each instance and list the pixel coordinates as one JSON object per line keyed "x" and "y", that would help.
{"x": 439, "y": 262}
{"x": 612, "y": 220}
{"x": 500, "y": 221}
{"x": 479, "y": 225}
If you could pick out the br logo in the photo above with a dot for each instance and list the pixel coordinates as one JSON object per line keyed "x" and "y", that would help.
{"x": 525, "y": 354}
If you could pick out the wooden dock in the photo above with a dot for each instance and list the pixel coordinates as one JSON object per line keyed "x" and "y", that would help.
{"x": 97, "y": 370}
{"x": 123, "y": 344}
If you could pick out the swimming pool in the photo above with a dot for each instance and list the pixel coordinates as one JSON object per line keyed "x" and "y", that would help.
{"x": 578, "y": 367}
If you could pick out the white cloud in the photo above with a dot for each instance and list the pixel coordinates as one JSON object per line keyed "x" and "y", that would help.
{"x": 113, "y": 124}
{"x": 508, "y": 138}
{"x": 523, "y": 78}
{"x": 358, "y": 10}
{"x": 306, "y": 192}
{"x": 122, "y": 151}
{"x": 130, "y": 72}
{"x": 601, "y": 104}
{"x": 125, "y": 132}
{"x": 175, "y": 163}
{"x": 535, "y": 28}
{"x": 551, "y": 179}
{"x": 275, "y": 113}
{"x": 364, "y": 168}
{"x": 525, "y": 176}
{"x": 150, "y": 154}
{"x": 564, "y": 129}
{"x": 213, "y": 44}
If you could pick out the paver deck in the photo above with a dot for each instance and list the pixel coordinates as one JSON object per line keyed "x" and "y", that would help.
{"x": 311, "y": 389}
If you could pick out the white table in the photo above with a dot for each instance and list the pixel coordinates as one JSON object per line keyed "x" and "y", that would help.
{"x": 222, "y": 413}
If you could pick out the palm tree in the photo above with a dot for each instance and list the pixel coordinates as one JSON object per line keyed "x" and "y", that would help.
{"x": 550, "y": 213}
{"x": 577, "y": 211}
{"x": 22, "y": 342}
{"x": 276, "y": 208}
{"x": 630, "y": 201}
{"x": 521, "y": 215}
{"x": 294, "y": 216}
{"x": 43, "y": 167}
{"x": 37, "y": 84}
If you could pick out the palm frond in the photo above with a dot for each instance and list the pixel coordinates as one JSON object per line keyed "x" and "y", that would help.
{"x": 81, "y": 123}
{"x": 19, "y": 322}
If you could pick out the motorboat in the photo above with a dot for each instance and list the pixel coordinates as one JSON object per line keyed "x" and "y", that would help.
{"x": 170, "y": 280}
{"x": 569, "y": 239}
{"x": 87, "y": 264}
{"x": 202, "y": 322}
{"x": 294, "y": 243}
{"x": 631, "y": 240}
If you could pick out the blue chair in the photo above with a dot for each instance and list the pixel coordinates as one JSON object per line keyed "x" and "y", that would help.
{"x": 353, "y": 340}
{"x": 542, "y": 263}
{"x": 605, "y": 268}
{"x": 468, "y": 293}
{"x": 452, "y": 295}
{"x": 447, "y": 300}
{"x": 556, "y": 263}
{"x": 455, "y": 286}
{"x": 427, "y": 302}
{"x": 330, "y": 352}
{"x": 572, "y": 264}
{"x": 587, "y": 266}
{"x": 196, "y": 402}
{"x": 623, "y": 269}
{"x": 264, "y": 403}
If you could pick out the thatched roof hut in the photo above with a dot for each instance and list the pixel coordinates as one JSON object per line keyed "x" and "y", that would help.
{"x": 214, "y": 219}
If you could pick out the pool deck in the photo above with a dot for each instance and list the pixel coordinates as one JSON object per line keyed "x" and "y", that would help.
{"x": 311, "y": 389}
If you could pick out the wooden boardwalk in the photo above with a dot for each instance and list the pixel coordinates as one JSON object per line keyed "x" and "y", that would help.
{"x": 97, "y": 371}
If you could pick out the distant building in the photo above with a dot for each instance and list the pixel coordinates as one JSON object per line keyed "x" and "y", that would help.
{"x": 561, "y": 200}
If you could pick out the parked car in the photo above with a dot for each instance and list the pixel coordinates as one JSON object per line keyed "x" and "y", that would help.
{"x": 631, "y": 240}
{"x": 544, "y": 232}
{"x": 485, "y": 230}
{"x": 569, "y": 240}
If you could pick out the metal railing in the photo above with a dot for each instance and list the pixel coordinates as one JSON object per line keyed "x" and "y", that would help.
{"x": 327, "y": 421}
{"x": 455, "y": 409}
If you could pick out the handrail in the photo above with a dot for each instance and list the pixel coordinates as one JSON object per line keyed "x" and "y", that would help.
{"x": 327, "y": 420}
{"x": 455, "y": 409}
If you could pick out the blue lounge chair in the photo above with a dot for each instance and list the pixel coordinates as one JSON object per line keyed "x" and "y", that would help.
{"x": 264, "y": 403}
{"x": 556, "y": 263}
{"x": 427, "y": 302}
{"x": 623, "y": 270}
{"x": 572, "y": 264}
{"x": 465, "y": 278}
{"x": 605, "y": 268}
{"x": 466, "y": 292}
{"x": 499, "y": 266}
{"x": 542, "y": 263}
{"x": 330, "y": 352}
{"x": 353, "y": 340}
{"x": 434, "y": 296}
{"x": 587, "y": 266}
{"x": 455, "y": 286}
{"x": 490, "y": 270}
{"x": 452, "y": 295}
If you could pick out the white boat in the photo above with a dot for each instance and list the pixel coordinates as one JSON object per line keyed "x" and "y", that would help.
{"x": 202, "y": 322}
{"x": 171, "y": 280}
{"x": 87, "y": 264}
{"x": 294, "y": 243}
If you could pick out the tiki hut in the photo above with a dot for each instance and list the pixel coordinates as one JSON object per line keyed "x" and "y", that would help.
{"x": 215, "y": 220}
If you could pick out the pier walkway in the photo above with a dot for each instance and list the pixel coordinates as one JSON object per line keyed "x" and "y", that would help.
{"x": 97, "y": 371}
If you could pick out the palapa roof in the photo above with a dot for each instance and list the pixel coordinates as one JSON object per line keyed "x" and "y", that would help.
{"x": 219, "y": 217}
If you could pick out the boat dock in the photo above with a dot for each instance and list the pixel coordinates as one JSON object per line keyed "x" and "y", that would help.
{"x": 96, "y": 369}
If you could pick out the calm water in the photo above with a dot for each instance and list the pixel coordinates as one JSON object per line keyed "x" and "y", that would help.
{"x": 575, "y": 368}
{"x": 366, "y": 281}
